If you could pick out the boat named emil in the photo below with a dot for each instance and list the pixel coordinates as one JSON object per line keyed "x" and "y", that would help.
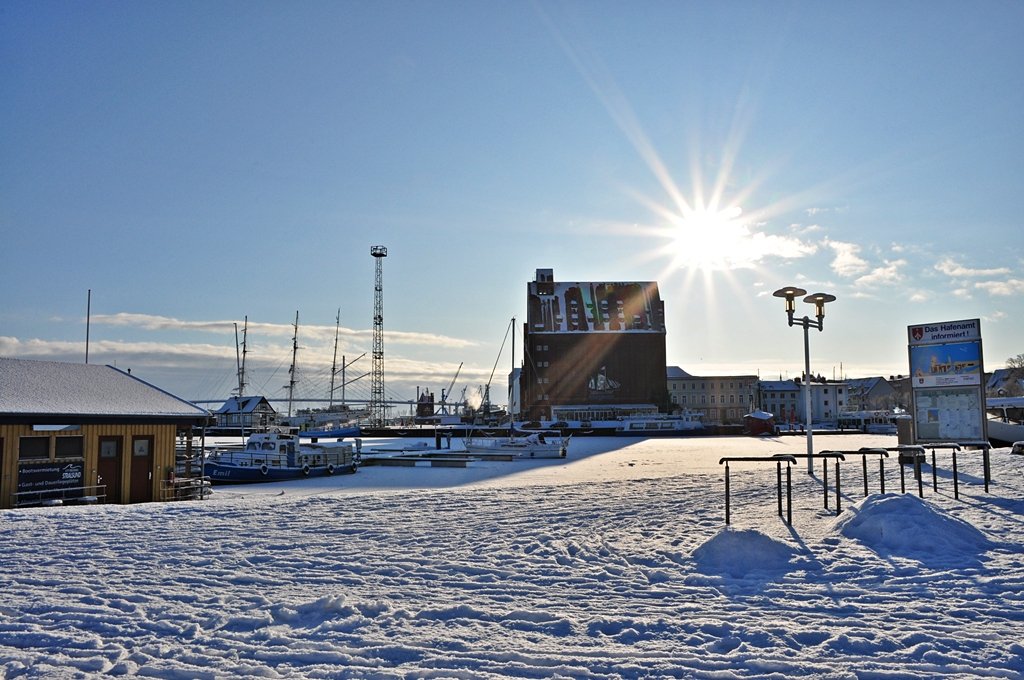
{"x": 278, "y": 456}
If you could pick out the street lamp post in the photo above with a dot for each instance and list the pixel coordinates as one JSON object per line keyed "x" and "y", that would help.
{"x": 790, "y": 294}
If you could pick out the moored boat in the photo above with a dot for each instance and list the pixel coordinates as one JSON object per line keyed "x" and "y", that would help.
{"x": 525, "y": 445}
{"x": 660, "y": 425}
{"x": 871, "y": 422}
{"x": 277, "y": 456}
{"x": 1005, "y": 420}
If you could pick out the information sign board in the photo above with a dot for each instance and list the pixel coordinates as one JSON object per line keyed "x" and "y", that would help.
{"x": 946, "y": 378}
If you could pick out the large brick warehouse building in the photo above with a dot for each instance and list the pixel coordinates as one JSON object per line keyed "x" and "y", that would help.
{"x": 592, "y": 349}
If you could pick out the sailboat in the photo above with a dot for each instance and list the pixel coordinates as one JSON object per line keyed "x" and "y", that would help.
{"x": 521, "y": 445}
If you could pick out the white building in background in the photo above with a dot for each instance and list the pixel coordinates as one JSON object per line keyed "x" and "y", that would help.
{"x": 722, "y": 399}
{"x": 785, "y": 398}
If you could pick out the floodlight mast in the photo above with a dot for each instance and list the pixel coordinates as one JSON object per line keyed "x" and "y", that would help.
{"x": 377, "y": 406}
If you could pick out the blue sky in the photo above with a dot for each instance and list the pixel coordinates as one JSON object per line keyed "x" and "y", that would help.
{"x": 194, "y": 163}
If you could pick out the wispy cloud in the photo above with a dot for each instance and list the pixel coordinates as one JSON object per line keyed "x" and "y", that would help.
{"x": 847, "y": 261}
{"x": 1007, "y": 287}
{"x": 150, "y": 322}
{"x": 817, "y": 210}
{"x": 952, "y": 268}
{"x": 191, "y": 370}
{"x": 155, "y": 353}
{"x": 886, "y": 275}
{"x": 920, "y": 296}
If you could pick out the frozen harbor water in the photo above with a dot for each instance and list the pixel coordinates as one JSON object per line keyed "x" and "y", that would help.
{"x": 614, "y": 563}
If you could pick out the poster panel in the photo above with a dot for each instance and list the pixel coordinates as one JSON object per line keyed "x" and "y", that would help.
{"x": 946, "y": 365}
{"x": 949, "y": 415}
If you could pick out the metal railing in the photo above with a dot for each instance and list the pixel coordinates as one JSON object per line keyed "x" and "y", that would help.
{"x": 864, "y": 453}
{"x": 825, "y": 456}
{"x": 96, "y": 493}
{"x": 778, "y": 459}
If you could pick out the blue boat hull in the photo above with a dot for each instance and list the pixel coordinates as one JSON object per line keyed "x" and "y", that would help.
{"x": 236, "y": 474}
{"x": 339, "y": 432}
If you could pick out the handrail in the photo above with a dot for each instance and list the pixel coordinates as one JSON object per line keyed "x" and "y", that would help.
{"x": 778, "y": 459}
{"x": 820, "y": 454}
{"x": 778, "y": 456}
{"x": 866, "y": 451}
{"x": 825, "y": 455}
{"x": 23, "y": 498}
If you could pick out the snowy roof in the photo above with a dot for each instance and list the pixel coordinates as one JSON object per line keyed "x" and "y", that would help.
{"x": 243, "y": 405}
{"x": 779, "y": 386}
{"x": 676, "y": 373}
{"x": 867, "y": 385}
{"x": 51, "y": 388}
{"x": 1001, "y": 377}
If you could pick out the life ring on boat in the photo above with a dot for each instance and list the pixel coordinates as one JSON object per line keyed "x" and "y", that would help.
{"x": 264, "y": 469}
{"x": 305, "y": 470}
{"x": 330, "y": 468}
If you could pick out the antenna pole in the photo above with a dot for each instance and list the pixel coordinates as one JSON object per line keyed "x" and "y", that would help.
{"x": 88, "y": 316}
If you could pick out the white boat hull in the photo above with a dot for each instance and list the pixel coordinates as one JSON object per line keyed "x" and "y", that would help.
{"x": 1005, "y": 432}
{"x": 530, "y": 446}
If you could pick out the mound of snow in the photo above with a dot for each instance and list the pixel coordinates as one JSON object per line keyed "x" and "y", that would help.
{"x": 908, "y": 526}
{"x": 737, "y": 553}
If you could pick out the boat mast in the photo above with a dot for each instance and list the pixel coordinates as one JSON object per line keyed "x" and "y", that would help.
{"x": 291, "y": 371}
{"x": 512, "y": 352}
{"x": 334, "y": 361}
{"x": 487, "y": 388}
{"x": 240, "y": 363}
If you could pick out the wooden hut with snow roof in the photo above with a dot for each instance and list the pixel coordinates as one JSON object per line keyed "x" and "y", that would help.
{"x": 87, "y": 433}
{"x": 244, "y": 415}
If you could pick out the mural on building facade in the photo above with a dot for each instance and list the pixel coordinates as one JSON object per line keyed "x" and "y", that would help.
{"x": 596, "y": 307}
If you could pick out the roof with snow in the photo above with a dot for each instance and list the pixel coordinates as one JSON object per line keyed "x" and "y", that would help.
{"x": 779, "y": 386}
{"x": 868, "y": 385}
{"x": 243, "y": 405}
{"x": 44, "y": 390}
{"x": 1002, "y": 378}
{"x": 676, "y": 373}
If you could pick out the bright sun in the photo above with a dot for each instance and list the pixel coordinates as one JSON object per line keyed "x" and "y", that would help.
{"x": 711, "y": 240}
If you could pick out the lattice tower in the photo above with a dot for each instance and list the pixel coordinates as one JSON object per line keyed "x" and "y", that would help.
{"x": 377, "y": 407}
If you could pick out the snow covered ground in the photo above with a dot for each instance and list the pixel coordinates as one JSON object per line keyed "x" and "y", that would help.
{"x": 613, "y": 563}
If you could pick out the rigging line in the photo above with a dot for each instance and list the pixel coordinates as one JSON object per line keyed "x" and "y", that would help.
{"x": 500, "y": 350}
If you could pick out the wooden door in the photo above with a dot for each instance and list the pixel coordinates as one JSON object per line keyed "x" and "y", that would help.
{"x": 108, "y": 469}
{"x": 141, "y": 470}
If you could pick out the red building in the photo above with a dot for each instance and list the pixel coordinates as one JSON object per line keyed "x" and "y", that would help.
{"x": 593, "y": 346}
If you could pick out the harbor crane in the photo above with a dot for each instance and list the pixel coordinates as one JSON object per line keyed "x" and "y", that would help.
{"x": 446, "y": 393}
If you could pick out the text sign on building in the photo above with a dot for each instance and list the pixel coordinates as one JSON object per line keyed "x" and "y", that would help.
{"x": 50, "y": 479}
{"x": 946, "y": 378}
